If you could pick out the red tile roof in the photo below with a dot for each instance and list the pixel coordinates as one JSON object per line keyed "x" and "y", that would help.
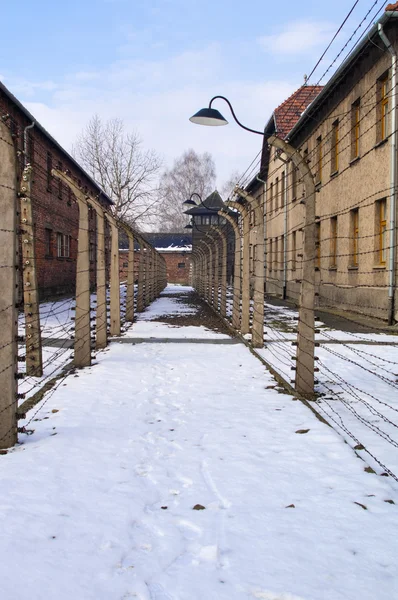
{"x": 392, "y": 7}
{"x": 288, "y": 113}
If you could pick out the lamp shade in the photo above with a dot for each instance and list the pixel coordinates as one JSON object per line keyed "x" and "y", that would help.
{"x": 208, "y": 116}
{"x": 190, "y": 202}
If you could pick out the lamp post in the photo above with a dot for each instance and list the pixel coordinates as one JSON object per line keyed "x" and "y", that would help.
{"x": 304, "y": 382}
{"x": 192, "y": 202}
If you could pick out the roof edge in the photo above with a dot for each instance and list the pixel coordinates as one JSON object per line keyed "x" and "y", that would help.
{"x": 29, "y": 115}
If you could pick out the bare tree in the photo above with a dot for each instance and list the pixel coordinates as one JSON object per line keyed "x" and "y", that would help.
{"x": 191, "y": 172}
{"x": 127, "y": 173}
{"x": 229, "y": 185}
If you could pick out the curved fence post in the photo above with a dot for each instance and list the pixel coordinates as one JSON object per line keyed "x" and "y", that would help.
{"x": 237, "y": 270}
{"x": 245, "y": 216}
{"x": 82, "y": 354}
{"x": 8, "y": 287}
{"x": 306, "y": 328}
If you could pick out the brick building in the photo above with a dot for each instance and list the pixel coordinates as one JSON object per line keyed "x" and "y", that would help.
{"x": 55, "y": 210}
{"x": 348, "y": 139}
{"x": 176, "y": 249}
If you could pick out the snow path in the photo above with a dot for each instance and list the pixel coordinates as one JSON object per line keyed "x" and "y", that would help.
{"x": 98, "y": 503}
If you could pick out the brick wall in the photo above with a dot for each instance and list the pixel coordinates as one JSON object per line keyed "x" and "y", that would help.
{"x": 177, "y": 264}
{"x": 55, "y": 210}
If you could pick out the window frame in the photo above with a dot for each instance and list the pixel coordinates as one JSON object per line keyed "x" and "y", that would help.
{"x": 294, "y": 250}
{"x": 63, "y": 245}
{"x": 334, "y": 158}
{"x": 333, "y": 243}
{"x": 384, "y": 103}
{"x": 319, "y": 159}
{"x": 355, "y": 128}
{"x": 354, "y": 217}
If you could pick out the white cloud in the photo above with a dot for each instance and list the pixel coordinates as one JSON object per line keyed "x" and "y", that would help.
{"x": 298, "y": 37}
{"x": 156, "y": 98}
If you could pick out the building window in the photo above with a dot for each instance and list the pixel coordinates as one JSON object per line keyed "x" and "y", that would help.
{"x": 48, "y": 235}
{"x": 271, "y": 193}
{"x": 276, "y": 193}
{"x": 276, "y": 256}
{"x": 335, "y": 147}
{"x": 319, "y": 159}
{"x": 49, "y": 169}
{"x": 381, "y": 220}
{"x": 214, "y": 219}
{"x": 294, "y": 182}
{"x": 270, "y": 258}
{"x": 354, "y": 217}
{"x": 181, "y": 265}
{"x": 283, "y": 189}
{"x": 383, "y": 106}
{"x": 294, "y": 250}
{"x": 355, "y": 134}
{"x": 125, "y": 265}
{"x": 282, "y": 258}
{"x": 63, "y": 245}
{"x": 318, "y": 244}
{"x": 333, "y": 243}
{"x": 222, "y": 220}
{"x": 205, "y": 220}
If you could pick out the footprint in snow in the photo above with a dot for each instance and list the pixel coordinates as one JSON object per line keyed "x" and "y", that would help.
{"x": 157, "y": 592}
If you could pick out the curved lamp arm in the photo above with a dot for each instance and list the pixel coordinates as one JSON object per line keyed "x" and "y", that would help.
{"x": 234, "y": 115}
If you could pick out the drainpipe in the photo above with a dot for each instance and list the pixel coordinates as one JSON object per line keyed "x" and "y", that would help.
{"x": 265, "y": 230}
{"x": 393, "y": 175}
{"x": 25, "y": 142}
{"x": 284, "y": 291}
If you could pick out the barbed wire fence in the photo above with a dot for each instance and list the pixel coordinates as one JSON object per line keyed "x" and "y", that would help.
{"x": 354, "y": 367}
{"x": 41, "y": 342}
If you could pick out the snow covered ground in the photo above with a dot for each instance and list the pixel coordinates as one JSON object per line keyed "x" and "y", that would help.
{"x": 56, "y": 323}
{"x": 179, "y": 472}
{"x": 357, "y": 382}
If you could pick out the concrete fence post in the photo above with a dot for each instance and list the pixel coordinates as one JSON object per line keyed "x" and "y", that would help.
{"x": 129, "y": 314}
{"x": 130, "y": 280}
{"x": 141, "y": 266}
{"x": 34, "y": 358}
{"x": 8, "y": 290}
{"x": 245, "y": 231}
{"x": 216, "y": 269}
{"x": 304, "y": 382}
{"x": 114, "y": 277}
{"x": 82, "y": 353}
{"x": 223, "y": 282}
{"x": 259, "y": 276}
{"x": 237, "y": 270}
{"x": 101, "y": 324}
{"x": 210, "y": 271}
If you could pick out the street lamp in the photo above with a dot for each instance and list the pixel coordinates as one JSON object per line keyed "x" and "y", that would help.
{"x": 213, "y": 118}
{"x": 192, "y": 202}
{"x": 306, "y": 331}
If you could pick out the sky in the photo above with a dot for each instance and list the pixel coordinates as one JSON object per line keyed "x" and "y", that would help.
{"x": 155, "y": 63}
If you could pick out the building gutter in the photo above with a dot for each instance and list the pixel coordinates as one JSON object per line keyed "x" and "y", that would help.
{"x": 284, "y": 290}
{"x": 393, "y": 176}
{"x": 25, "y": 142}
